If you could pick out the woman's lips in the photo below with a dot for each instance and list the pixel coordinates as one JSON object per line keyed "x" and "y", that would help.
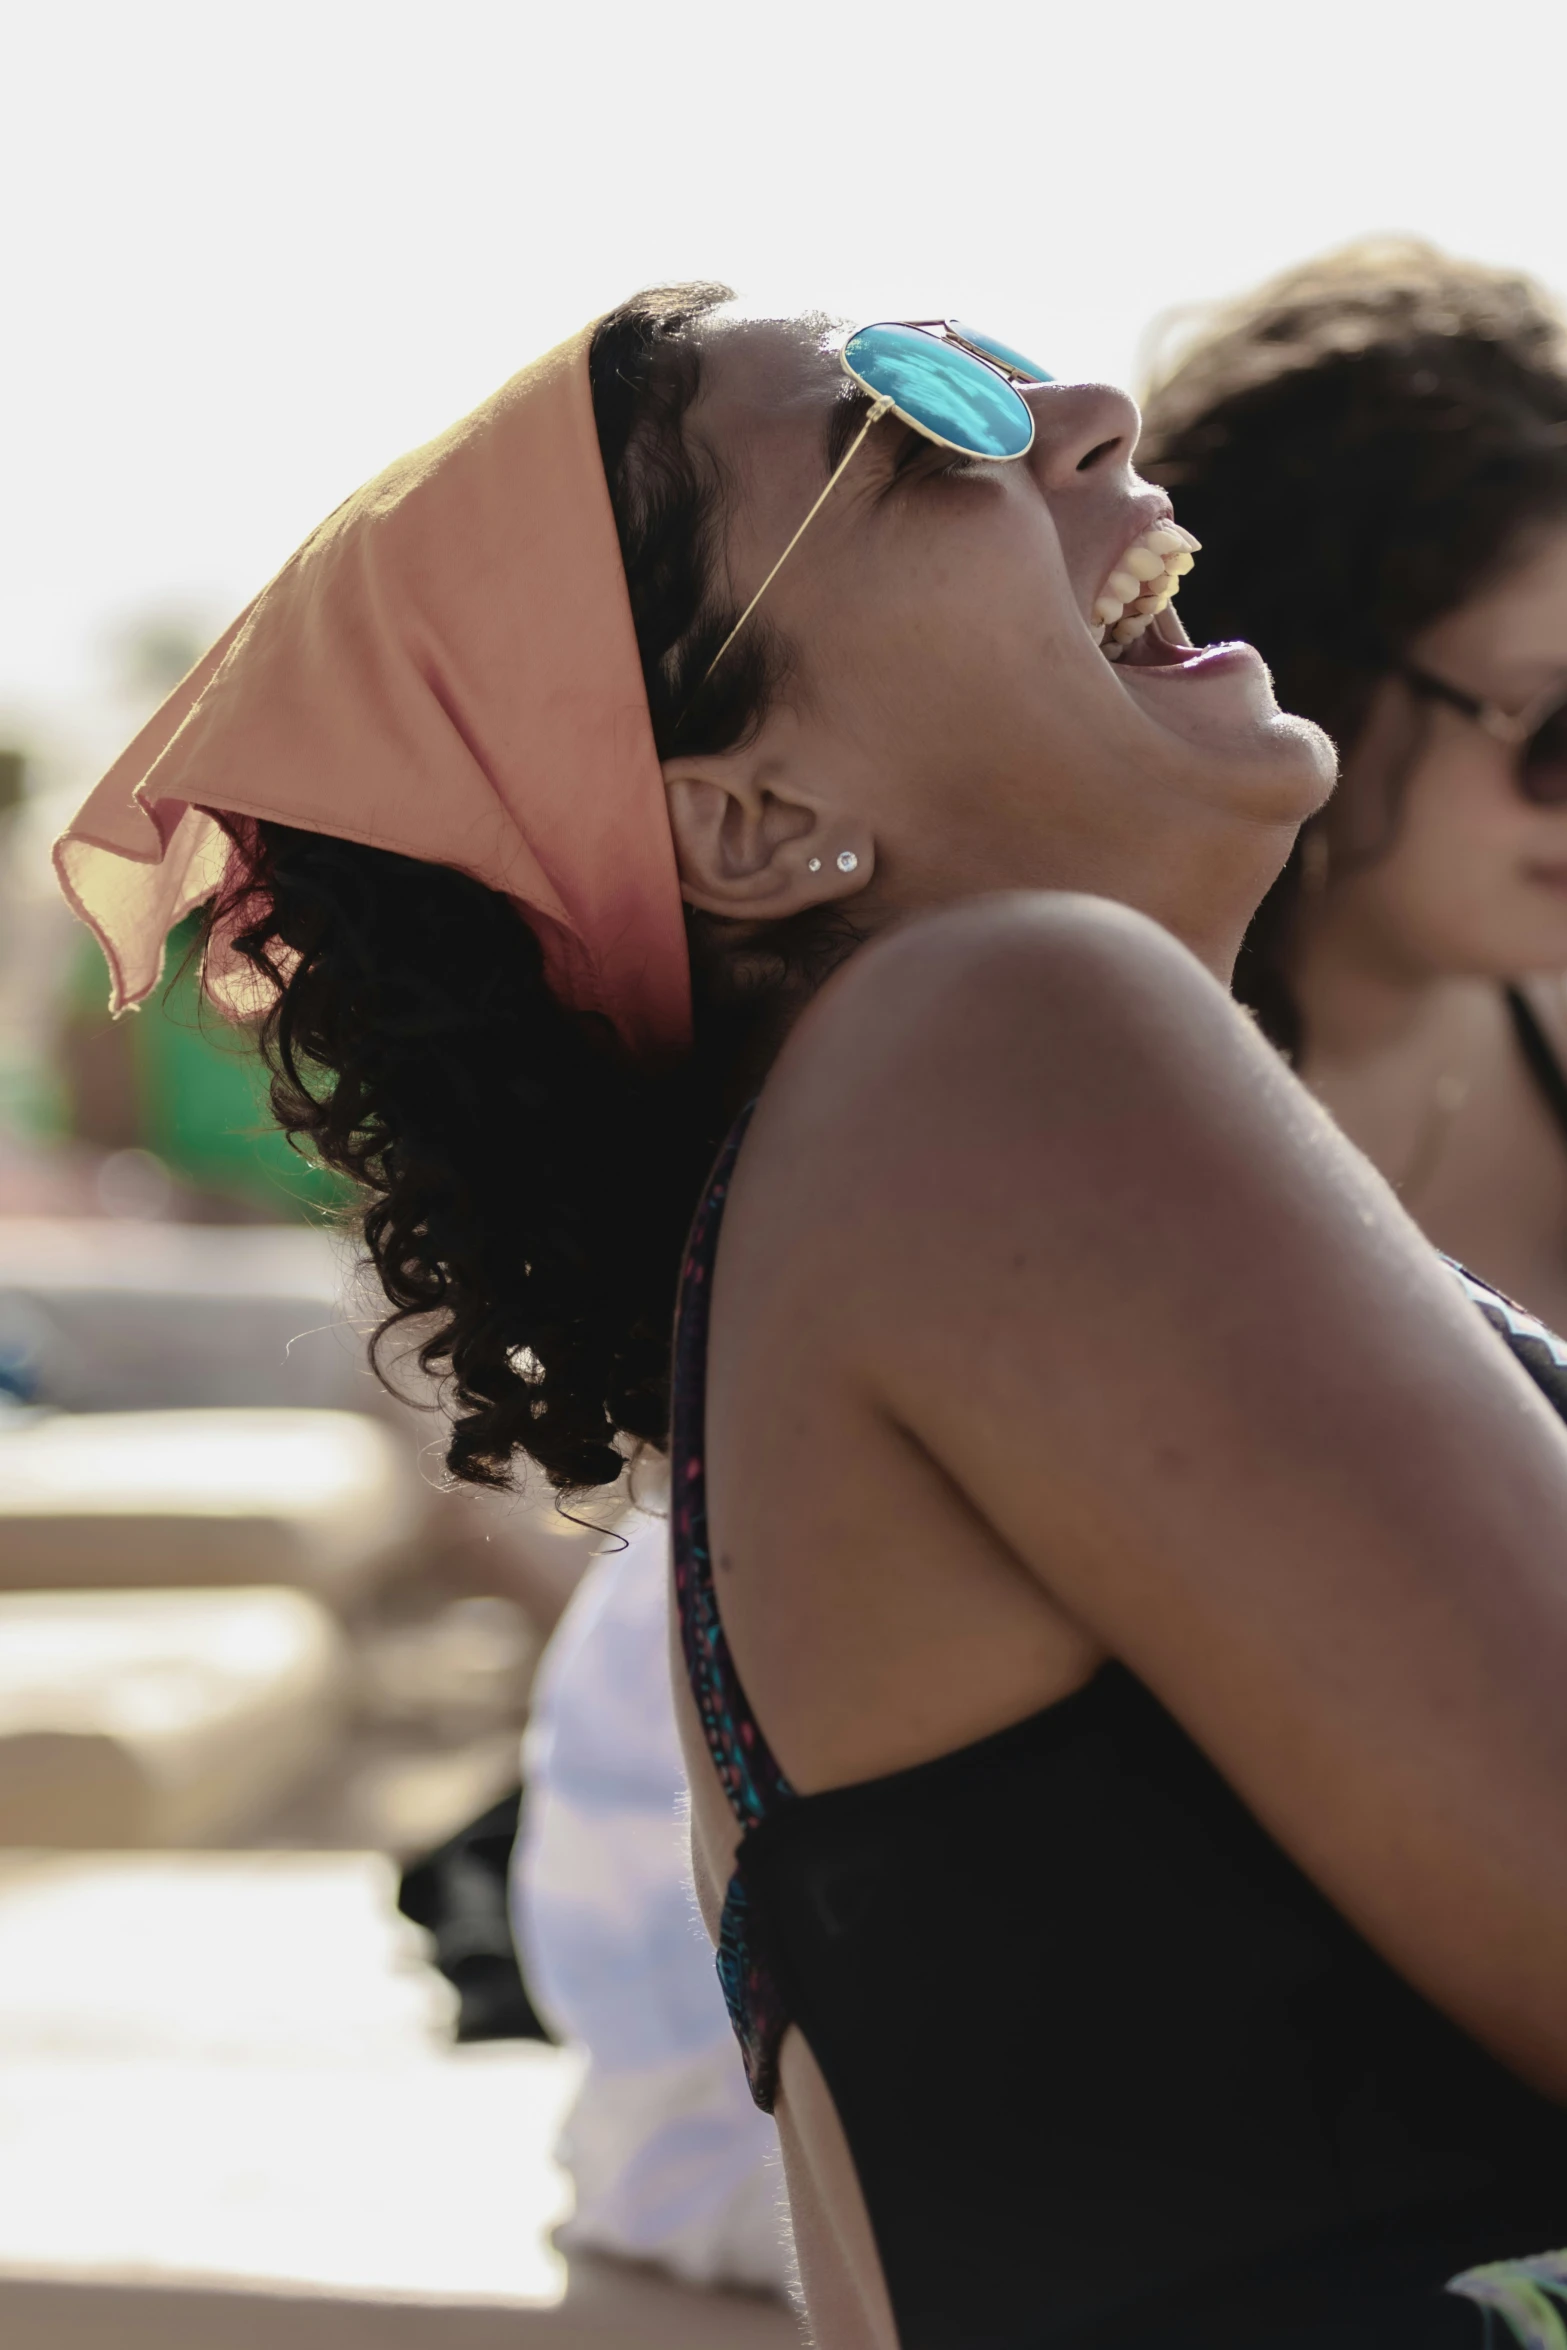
{"x": 1165, "y": 650}
{"x": 1173, "y": 661}
{"x": 1164, "y": 659}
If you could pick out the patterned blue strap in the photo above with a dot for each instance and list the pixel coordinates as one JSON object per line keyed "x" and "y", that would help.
{"x": 745, "y": 1763}
{"x": 741, "y": 1755}
{"x": 1540, "y": 1352}
{"x": 1523, "y": 2294}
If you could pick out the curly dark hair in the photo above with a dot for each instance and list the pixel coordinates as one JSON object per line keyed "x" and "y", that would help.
{"x": 527, "y": 1189}
{"x": 1362, "y": 445}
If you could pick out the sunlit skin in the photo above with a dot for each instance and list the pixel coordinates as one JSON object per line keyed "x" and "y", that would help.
{"x": 1052, "y": 1319}
{"x": 1400, "y": 958}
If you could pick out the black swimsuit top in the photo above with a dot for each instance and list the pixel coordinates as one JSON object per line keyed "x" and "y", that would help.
{"x": 1113, "y": 2073}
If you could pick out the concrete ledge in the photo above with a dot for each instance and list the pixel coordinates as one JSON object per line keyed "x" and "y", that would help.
{"x": 230, "y": 2120}
{"x": 605, "y": 2308}
{"x": 116, "y": 1500}
{"x": 103, "y": 1316}
{"x": 158, "y": 1717}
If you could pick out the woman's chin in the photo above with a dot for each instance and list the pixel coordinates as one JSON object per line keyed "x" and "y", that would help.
{"x": 1310, "y": 757}
{"x": 1218, "y": 700}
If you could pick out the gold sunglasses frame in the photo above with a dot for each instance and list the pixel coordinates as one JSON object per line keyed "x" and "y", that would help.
{"x": 883, "y": 404}
{"x": 1515, "y": 730}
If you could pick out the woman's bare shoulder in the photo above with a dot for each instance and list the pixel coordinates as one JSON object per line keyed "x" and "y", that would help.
{"x": 958, "y": 1025}
{"x": 1048, "y": 1208}
{"x": 1041, "y": 1095}
{"x": 994, "y": 958}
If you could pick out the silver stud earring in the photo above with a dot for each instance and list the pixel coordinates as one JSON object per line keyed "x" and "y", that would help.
{"x": 813, "y": 865}
{"x": 848, "y": 862}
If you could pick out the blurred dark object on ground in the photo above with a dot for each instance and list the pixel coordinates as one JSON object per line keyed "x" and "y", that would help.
{"x": 459, "y": 1895}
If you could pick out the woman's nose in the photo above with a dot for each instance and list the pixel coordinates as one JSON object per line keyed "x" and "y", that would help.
{"x": 1080, "y": 429}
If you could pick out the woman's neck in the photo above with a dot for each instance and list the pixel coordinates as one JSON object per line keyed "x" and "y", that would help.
{"x": 1361, "y": 999}
{"x": 1395, "y": 1050}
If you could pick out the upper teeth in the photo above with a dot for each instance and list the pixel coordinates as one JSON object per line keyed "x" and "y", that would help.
{"x": 1141, "y": 585}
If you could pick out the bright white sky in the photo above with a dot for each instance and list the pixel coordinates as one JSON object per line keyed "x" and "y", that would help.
{"x": 249, "y": 252}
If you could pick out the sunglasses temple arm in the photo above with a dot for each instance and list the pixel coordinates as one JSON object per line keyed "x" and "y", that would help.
{"x": 878, "y": 409}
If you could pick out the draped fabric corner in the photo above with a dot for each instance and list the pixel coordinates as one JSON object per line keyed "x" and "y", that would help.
{"x": 446, "y": 668}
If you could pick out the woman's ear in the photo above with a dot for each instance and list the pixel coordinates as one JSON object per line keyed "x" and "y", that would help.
{"x": 749, "y": 843}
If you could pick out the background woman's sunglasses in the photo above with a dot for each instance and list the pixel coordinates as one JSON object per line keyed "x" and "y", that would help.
{"x": 945, "y": 380}
{"x": 1538, "y": 735}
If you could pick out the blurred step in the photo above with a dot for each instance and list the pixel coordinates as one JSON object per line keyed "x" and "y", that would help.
{"x": 92, "y": 1500}
{"x": 100, "y": 1315}
{"x": 230, "y": 2119}
{"x": 160, "y": 1717}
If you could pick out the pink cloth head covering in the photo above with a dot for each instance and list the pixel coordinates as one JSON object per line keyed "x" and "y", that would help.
{"x": 447, "y": 668}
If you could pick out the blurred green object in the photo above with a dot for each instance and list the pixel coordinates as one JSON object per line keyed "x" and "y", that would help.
{"x": 200, "y": 1093}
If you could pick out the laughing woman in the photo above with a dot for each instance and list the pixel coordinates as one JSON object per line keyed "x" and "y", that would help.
{"x": 1121, "y": 1574}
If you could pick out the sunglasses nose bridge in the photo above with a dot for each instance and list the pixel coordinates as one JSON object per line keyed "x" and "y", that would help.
{"x": 1504, "y": 727}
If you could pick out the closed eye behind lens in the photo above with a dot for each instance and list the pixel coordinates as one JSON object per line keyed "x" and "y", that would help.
{"x": 941, "y": 389}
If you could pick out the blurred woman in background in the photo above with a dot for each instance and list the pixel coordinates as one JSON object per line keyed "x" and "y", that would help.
{"x": 1373, "y": 449}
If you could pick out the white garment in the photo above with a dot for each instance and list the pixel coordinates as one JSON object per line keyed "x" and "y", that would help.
{"x": 671, "y": 2160}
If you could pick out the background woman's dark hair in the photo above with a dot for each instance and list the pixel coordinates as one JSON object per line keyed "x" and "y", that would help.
{"x": 1360, "y": 446}
{"x": 527, "y": 1192}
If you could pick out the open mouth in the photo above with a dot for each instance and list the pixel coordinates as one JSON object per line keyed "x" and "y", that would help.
{"x": 1131, "y": 619}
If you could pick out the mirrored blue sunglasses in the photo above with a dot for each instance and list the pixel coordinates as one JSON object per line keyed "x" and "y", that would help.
{"x": 943, "y": 379}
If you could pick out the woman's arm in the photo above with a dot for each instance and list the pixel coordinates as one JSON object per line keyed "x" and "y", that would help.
{"x": 1093, "y": 1249}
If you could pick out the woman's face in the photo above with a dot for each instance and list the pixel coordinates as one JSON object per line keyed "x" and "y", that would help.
{"x": 1475, "y": 877}
{"x": 949, "y": 719}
